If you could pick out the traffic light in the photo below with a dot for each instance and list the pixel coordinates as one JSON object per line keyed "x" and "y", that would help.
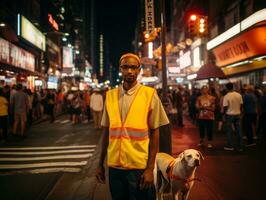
{"x": 203, "y": 25}
{"x": 197, "y": 25}
{"x": 192, "y": 25}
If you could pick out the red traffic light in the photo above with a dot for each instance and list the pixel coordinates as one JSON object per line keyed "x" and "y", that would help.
{"x": 193, "y": 17}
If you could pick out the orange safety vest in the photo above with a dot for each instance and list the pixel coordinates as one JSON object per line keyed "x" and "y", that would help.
{"x": 129, "y": 141}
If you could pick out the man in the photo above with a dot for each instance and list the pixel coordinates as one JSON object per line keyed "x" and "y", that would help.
{"x": 96, "y": 105}
{"x": 132, "y": 116}
{"x": 250, "y": 114}
{"x": 232, "y": 104}
{"x": 179, "y": 105}
{"x": 261, "y": 131}
{"x": 19, "y": 101}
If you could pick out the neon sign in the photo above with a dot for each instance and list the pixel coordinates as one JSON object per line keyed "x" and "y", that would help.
{"x": 52, "y": 22}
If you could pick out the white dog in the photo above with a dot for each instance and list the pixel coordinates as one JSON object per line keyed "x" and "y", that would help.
{"x": 176, "y": 176}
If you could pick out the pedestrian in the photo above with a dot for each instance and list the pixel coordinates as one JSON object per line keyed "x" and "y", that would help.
{"x": 232, "y": 106}
{"x": 3, "y": 114}
{"x": 132, "y": 116}
{"x": 20, "y": 104}
{"x": 179, "y": 105}
{"x": 87, "y": 98}
{"x": 50, "y": 103}
{"x": 206, "y": 106}
{"x": 250, "y": 114}
{"x": 76, "y": 103}
{"x": 30, "y": 101}
{"x": 96, "y": 106}
{"x": 261, "y": 130}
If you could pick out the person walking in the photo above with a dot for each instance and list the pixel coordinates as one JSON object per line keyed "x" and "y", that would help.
{"x": 96, "y": 106}
{"x": 179, "y": 105}
{"x": 249, "y": 114}
{"x": 132, "y": 116}
{"x": 50, "y": 101}
{"x": 206, "y": 106}
{"x": 232, "y": 106}
{"x": 3, "y": 114}
{"x": 87, "y": 98}
{"x": 20, "y": 104}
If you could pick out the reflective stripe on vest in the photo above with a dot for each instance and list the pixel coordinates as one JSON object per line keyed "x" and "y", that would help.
{"x": 129, "y": 141}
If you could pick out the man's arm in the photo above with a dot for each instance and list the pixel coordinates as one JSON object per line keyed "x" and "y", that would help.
{"x": 100, "y": 172}
{"x": 147, "y": 177}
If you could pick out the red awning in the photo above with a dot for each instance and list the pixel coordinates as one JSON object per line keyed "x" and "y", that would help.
{"x": 210, "y": 71}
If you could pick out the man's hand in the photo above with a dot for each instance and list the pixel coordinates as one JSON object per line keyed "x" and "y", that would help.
{"x": 146, "y": 180}
{"x": 100, "y": 175}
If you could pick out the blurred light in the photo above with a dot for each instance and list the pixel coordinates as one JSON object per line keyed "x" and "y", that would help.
{"x": 201, "y": 30}
{"x": 64, "y": 39}
{"x": 2, "y": 24}
{"x": 117, "y": 80}
{"x": 202, "y": 21}
{"x": 66, "y": 34}
{"x": 119, "y": 74}
{"x": 193, "y": 17}
{"x": 147, "y": 35}
{"x": 77, "y": 52}
{"x": 140, "y": 43}
{"x": 69, "y": 45}
{"x": 191, "y": 76}
{"x": 150, "y": 50}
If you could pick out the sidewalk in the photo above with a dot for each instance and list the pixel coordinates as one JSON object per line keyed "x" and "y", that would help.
{"x": 224, "y": 175}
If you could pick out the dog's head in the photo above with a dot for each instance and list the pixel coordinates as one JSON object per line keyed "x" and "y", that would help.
{"x": 191, "y": 157}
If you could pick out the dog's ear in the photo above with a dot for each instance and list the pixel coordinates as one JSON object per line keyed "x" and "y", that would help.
{"x": 201, "y": 156}
{"x": 181, "y": 156}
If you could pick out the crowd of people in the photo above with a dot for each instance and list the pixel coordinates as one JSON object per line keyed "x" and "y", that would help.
{"x": 227, "y": 111}
{"x": 20, "y": 107}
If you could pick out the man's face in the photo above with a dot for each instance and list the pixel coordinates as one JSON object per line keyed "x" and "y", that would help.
{"x": 130, "y": 69}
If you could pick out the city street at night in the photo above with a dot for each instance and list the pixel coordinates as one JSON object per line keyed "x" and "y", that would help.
{"x": 132, "y": 100}
{"x": 223, "y": 175}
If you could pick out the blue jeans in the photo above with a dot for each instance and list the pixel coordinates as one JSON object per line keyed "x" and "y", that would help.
{"x": 230, "y": 121}
{"x": 124, "y": 185}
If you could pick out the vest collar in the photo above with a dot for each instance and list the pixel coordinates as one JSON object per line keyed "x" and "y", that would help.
{"x": 131, "y": 91}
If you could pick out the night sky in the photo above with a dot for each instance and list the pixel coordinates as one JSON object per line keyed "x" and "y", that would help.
{"x": 117, "y": 20}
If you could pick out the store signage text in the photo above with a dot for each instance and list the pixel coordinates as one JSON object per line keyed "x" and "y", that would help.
{"x": 52, "y": 22}
{"x": 13, "y": 55}
{"x": 234, "y": 51}
{"x": 149, "y": 15}
{"x": 247, "y": 45}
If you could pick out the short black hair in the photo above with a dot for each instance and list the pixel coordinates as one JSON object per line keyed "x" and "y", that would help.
{"x": 229, "y": 86}
{"x": 19, "y": 86}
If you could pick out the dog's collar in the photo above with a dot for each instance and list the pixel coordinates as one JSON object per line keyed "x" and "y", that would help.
{"x": 171, "y": 176}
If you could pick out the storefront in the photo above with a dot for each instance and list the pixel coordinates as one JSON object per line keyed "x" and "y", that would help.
{"x": 16, "y": 65}
{"x": 240, "y": 51}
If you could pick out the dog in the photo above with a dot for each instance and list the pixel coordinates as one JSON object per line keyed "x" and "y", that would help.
{"x": 176, "y": 175}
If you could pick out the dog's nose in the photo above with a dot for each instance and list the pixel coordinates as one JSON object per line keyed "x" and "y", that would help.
{"x": 197, "y": 162}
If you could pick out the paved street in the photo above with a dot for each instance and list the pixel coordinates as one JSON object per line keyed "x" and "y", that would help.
{"x": 57, "y": 161}
{"x": 29, "y": 168}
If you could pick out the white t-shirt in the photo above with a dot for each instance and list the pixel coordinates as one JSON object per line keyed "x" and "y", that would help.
{"x": 96, "y": 102}
{"x": 233, "y": 101}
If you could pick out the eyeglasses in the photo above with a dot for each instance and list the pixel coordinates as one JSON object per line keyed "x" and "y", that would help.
{"x": 132, "y": 67}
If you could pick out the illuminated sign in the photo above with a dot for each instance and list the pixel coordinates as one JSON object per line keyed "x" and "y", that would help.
{"x": 185, "y": 60}
{"x": 253, "y": 19}
{"x": 149, "y": 15}
{"x": 13, "y": 55}
{"x": 30, "y": 33}
{"x": 249, "y": 44}
{"x": 67, "y": 57}
{"x": 52, "y": 22}
{"x": 196, "y": 57}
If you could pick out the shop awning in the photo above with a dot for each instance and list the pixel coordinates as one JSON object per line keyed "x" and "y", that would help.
{"x": 8, "y": 33}
{"x": 210, "y": 71}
